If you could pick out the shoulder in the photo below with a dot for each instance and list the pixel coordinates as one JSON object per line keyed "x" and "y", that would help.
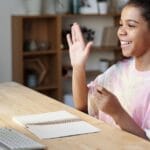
{"x": 124, "y": 64}
{"x": 114, "y": 72}
{"x": 120, "y": 67}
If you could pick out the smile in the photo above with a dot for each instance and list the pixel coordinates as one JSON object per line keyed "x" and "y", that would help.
{"x": 125, "y": 43}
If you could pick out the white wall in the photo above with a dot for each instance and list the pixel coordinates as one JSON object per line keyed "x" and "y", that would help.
{"x": 7, "y": 9}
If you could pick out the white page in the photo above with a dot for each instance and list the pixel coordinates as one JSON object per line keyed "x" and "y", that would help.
{"x": 62, "y": 130}
{"x": 44, "y": 117}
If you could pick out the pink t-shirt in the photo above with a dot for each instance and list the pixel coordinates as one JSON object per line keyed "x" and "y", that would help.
{"x": 131, "y": 87}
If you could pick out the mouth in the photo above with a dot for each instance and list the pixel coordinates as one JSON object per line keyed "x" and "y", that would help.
{"x": 125, "y": 44}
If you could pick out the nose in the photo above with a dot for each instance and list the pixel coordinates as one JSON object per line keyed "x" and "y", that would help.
{"x": 122, "y": 31}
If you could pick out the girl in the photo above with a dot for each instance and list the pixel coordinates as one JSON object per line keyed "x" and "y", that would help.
{"x": 121, "y": 95}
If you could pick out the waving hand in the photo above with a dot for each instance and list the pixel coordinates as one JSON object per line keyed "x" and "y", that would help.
{"x": 78, "y": 50}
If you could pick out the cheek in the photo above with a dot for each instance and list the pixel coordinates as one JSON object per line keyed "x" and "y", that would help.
{"x": 147, "y": 39}
{"x": 140, "y": 39}
{"x": 144, "y": 40}
{"x": 141, "y": 43}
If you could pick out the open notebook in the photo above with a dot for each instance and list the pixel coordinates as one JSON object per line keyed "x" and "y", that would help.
{"x": 55, "y": 124}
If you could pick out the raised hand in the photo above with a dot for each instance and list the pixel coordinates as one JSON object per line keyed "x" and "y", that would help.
{"x": 78, "y": 50}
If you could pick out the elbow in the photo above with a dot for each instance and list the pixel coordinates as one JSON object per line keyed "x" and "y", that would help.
{"x": 82, "y": 108}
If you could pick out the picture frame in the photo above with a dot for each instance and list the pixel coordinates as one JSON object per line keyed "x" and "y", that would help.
{"x": 88, "y": 7}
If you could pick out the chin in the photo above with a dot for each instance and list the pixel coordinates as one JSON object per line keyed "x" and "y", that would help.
{"x": 126, "y": 53}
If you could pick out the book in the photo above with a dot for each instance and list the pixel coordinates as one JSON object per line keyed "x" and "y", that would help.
{"x": 55, "y": 124}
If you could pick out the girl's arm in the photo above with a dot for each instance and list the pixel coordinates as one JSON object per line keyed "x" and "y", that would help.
{"x": 108, "y": 103}
{"x": 79, "y": 88}
{"x": 128, "y": 124}
{"x": 79, "y": 53}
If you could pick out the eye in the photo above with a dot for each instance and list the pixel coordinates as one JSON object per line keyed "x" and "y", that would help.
{"x": 131, "y": 26}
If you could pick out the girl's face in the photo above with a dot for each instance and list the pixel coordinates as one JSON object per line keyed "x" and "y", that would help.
{"x": 134, "y": 32}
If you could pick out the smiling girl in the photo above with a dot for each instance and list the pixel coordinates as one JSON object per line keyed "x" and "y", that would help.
{"x": 121, "y": 95}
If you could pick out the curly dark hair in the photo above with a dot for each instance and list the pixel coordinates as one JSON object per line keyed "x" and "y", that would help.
{"x": 144, "y": 5}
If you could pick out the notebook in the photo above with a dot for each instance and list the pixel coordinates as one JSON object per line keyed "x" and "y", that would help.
{"x": 55, "y": 124}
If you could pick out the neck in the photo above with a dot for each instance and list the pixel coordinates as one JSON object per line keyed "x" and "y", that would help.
{"x": 142, "y": 63}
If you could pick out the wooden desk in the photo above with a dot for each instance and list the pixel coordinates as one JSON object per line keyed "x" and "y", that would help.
{"x": 16, "y": 99}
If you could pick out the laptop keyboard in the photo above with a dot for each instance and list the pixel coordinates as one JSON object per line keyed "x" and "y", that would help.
{"x": 14, "y": 140}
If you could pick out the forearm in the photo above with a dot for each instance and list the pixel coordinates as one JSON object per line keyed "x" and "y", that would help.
{"x": 128, "y": 124}
{"x": 79, "y": 87}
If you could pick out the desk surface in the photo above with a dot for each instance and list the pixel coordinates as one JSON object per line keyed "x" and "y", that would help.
{"x": 16, "y": 99}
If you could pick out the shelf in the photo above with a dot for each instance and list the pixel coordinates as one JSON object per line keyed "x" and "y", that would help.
{"x": 36, "y": 53}
{"x": 89, "y": 73}
{"x": 92, "y": 15}
{"x": 106, "y": 48}
{"x": 30, "y": 58}
{"x": 45, "y": 88}
{"x": 92, "y": 73}
{"x": 48, "y": 90}
{"x": 39, "y": 53}
{"x": 36, "y": 16}
{"x": 102, "y": 48}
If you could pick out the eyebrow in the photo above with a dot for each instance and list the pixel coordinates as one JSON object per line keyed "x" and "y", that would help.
{"x": 130, "y": 20}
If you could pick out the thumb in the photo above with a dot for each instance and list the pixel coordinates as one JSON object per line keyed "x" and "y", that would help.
{"x": 99, "y": 89}
{"x": 88, "y": 47}
{"x": 102, "y": 90}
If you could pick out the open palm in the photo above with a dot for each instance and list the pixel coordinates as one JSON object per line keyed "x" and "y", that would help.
{"x": 78, "y": 51}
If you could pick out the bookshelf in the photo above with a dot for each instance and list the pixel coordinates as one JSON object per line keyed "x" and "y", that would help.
{"x": 39, "y": 52}
{"x": 36, "y": 53}
{"x": 109, "y": 44}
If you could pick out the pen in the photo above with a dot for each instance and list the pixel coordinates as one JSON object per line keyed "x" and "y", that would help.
{"x": 55, "y": 122}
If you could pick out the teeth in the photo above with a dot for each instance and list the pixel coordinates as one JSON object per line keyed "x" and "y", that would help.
{"x": 124, "y": 42}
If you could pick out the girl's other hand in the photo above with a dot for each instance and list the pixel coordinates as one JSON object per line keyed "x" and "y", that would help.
{"x": 108, "y": 102}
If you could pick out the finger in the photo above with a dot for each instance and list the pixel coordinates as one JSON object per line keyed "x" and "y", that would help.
{"x": 69, "y": 40}
{"x": 73, "y": 33}
{"x": 99, "y": 89}
{"x": 105, "y": 91}
{"x": 88, "y": 47}
{"x": 78, "y": 31}
{"x": 98, "y": 99}
{"x": 98, "y": 95}
{"x": 102, "y": 90}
